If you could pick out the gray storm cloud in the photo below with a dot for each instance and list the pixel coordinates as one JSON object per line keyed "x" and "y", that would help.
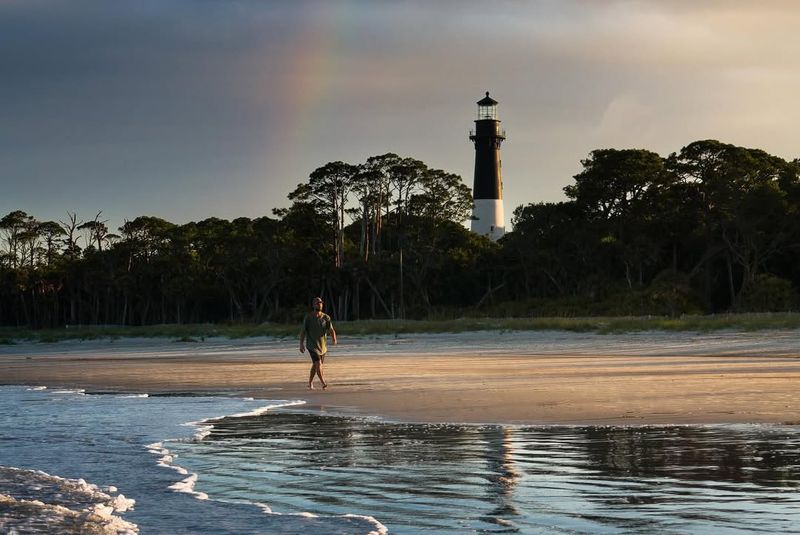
{"x": 185, "y": 109}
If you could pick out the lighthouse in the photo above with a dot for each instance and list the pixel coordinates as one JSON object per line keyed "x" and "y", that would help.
{"x": 487, "y": 189}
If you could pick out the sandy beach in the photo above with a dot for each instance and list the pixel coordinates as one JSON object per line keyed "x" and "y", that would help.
{"x": 530, "y": 378}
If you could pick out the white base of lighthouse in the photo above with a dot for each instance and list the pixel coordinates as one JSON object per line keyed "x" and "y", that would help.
{"x": 489, "y": 219}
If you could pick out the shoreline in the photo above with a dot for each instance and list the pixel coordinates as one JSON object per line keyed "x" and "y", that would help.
{"x": 482, "y": 378}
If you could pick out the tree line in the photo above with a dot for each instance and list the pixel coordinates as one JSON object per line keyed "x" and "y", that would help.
{"x": 712, "y": 228}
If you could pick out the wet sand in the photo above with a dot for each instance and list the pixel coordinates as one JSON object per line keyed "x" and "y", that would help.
{"x": 531, "y": 378}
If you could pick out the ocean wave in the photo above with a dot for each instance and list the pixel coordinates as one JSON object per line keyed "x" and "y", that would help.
{"x": 204, "y": 426}
{"x": 167, "y": 460}
{"x": 255, "y": 412}
{"x": 187, "y": 485}
{"x": 33, "y": 501}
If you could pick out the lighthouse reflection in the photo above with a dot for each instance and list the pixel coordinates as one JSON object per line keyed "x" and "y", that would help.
{"x": 503, "y": 475}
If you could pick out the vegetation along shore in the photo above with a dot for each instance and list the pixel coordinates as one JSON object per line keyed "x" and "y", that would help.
{"x": 710, "y": 229}
{"x": 600, "y": 325}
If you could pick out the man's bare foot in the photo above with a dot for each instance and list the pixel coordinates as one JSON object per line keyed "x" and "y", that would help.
{"x": 311, "y": 386}
{"x": 324, "y": 386}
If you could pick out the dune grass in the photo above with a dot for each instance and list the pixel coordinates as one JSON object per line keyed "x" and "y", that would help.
{"x": 601, "y": 325}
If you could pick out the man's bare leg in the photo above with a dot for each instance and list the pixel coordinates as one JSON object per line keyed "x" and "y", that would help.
{"x": 321, "y": 362}
{"x": 311, "y": 376}
{"x": 319, "y": 373}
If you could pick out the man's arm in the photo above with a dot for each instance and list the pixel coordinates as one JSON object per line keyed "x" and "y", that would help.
{"x": 333, "y": 335}
{"x": 303, "y": 337}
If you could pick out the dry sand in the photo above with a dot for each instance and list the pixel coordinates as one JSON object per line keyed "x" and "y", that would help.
{"x": 533, "y": 378}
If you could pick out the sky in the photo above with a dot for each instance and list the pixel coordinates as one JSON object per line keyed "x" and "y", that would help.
{"x": 188, "y": 109}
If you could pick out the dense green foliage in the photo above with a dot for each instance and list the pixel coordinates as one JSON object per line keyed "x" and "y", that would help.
{"x": 713, "y": 228}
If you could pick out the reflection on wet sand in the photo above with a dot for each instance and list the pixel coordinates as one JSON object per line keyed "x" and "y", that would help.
{"x": 458, "y": 478}
{"x": 503, "y": 476}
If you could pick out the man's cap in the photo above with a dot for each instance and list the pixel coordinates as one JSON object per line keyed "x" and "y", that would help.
{"x": 316, "y": 300}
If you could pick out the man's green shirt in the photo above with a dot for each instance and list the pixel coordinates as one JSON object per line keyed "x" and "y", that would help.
{"x": 316, "y": 329}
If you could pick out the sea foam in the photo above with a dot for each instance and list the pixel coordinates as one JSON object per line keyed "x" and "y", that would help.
{"x": 76, "y": 391}
{"x": 255, "y": 412}
{"x": 33, "y": 501}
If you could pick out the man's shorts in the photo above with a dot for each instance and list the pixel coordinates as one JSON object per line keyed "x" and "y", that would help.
{"x": 316, "y": 357}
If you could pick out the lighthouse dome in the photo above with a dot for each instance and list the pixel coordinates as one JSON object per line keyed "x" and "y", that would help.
{"x": 487, "y": 101}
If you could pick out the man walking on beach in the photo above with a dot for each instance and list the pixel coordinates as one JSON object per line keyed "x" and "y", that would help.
{"x": 316, "y": 326}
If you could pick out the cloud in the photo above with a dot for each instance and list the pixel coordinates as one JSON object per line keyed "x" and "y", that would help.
{"x": 221, "y": 107}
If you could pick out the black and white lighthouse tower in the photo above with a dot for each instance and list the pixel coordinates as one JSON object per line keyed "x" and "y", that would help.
{"x": 487, "y": 189}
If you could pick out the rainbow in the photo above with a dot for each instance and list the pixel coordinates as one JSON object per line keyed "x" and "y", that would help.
{"x": 311, "y": 67}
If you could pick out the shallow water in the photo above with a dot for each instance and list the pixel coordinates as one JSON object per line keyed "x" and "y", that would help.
{"x": 105, "y": 440}
{"x": 485, "y": 479}
{"x": 411, "y": 478}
